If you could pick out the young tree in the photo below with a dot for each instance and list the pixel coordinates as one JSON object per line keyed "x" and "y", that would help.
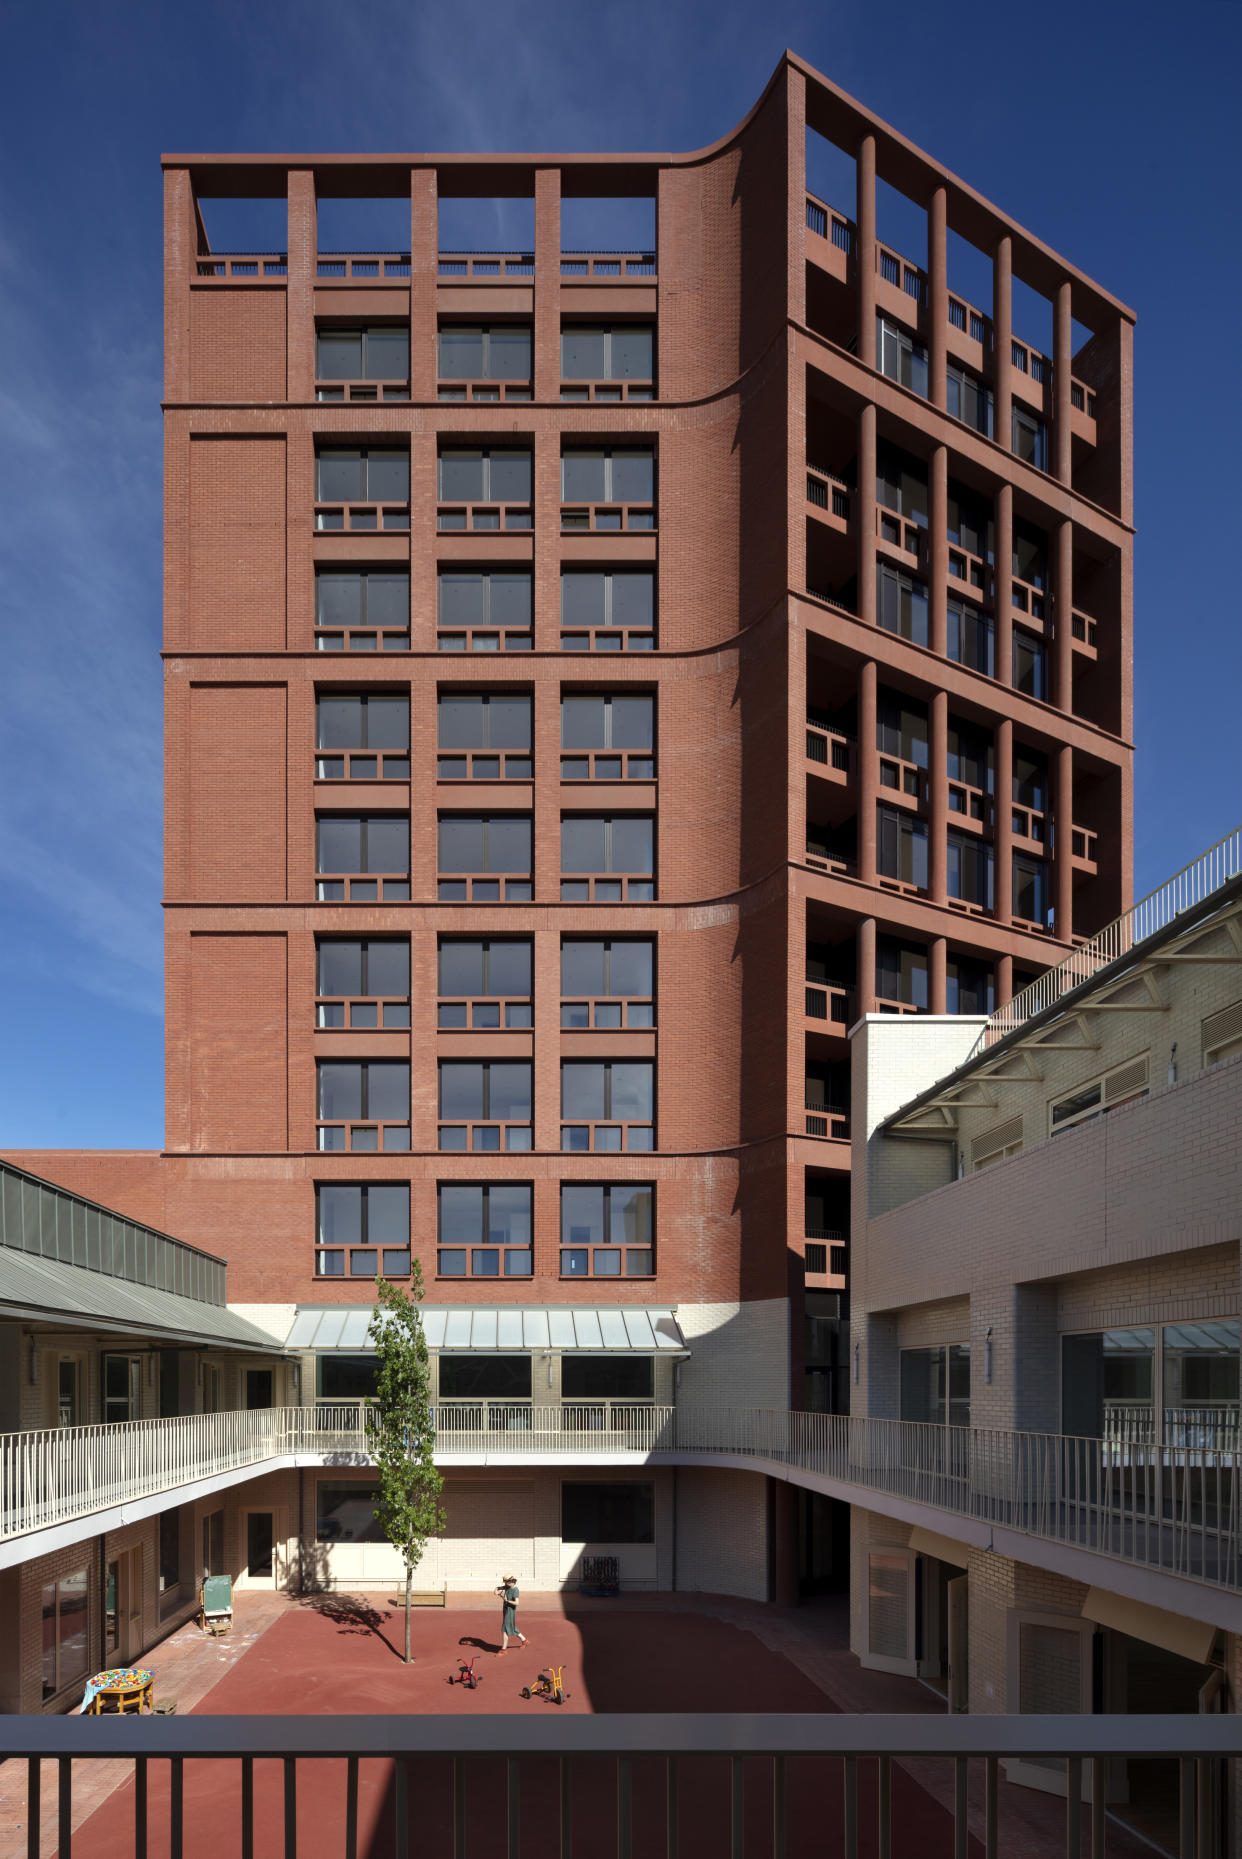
{"x": 401, "y": 1429}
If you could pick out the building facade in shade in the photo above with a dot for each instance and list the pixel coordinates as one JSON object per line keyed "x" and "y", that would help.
{"x": 594, "y": 681}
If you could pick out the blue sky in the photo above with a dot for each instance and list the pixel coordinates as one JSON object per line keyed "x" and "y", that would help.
{"x": 1110, "y": 130}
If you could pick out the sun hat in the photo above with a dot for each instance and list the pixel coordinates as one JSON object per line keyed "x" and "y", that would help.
{"x": 506, "y": 1579}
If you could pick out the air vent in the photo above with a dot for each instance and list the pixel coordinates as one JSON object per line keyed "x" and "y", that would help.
{"x": 993, "y": 1141}
{"x": 1126, "y": 1080}
{"x": 1221, "y": 1029}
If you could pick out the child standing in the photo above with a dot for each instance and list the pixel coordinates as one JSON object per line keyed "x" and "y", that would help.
{"x": 510, "y": 1595}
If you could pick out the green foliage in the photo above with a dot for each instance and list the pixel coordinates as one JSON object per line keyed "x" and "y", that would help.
{"x": 401, "y": 1434}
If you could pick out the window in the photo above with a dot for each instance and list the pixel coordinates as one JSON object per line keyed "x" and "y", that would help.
{"x": 1030, "y": 557}
{"x": 607, "y": 610}
{"x": 491, "y": 1377}
{"x": 969, "y": 638}
{"x": 362, "y": 1231}
{"x": 1030, "y": 889}
{"x": 484, "y": 985}
{"x": 350, "y": 844}
{"x": 604, "y": 354}
{"x": 1124, "y": 1084}
{"x": 70, "y": 1411}
{"x": 122, "y": 1388}
{"x": 487, "y": 737}
{"x": 476, "y": 360}
{"x": 1030, "y": 439}
{"x": 485, "y": 1231}
{"x": 607, "y": 1378}
{"x": 607, "y": 489}
{"x": 970, "y": 987}
{"x": 483, "y": 857}
{"x": 360, "y": 611}
{"x": 1030, "y": 665}
{"x": 969, "y": 527}
{"x": 345, "y": 1378}
{"x": 935, "y": 1385}
{"x": 364, "y": 1104}
{"x": 371, "y": 737}
{"x": 485, "y": 612}
{"x": 485, "y": 1107}
{"x": 1221, "y": 1035}
{"x": 969, "y": 870}
{"x": 968, "y": 400}
{"x": 360, "y": 359}
{"x": 346, "y": 1513}
{"x": 1200, "y": 1362}
{"x": 607, "y": 1104}
{"x": 901, "y": 605}
{"x": 63, "y": 1637}
{"x": 901, "y": 732}
{"x": 623, "y": 844}
{"x": 900, "y": 357}
{"x": 612, "y": 736}
{"x": 613, "y": 1513}
{"x": 969, "y": 765}
{"x": 607, "y": 1232}
{"x": 900, "y": 976}
{"x": 365, "y": 488}
{"x": 1107, "y": 1385}
{"x": 901, "y": 485}
{"x": 607, "y": 984}
{"x": 1030, "y": 788}
{"x": 901, "y": 847}
{"x": 488, "y": 488}
{"x": 362, "y": 984}
{"x": 170, "y": 1550}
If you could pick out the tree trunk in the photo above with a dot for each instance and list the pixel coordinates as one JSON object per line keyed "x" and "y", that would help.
{"x": 409, "y": 1588}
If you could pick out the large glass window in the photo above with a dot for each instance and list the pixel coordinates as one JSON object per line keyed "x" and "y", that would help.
{"x": 969, "y": 400}
{"x": 364, "y": 1104}
{"x": 486, "y": 487}
{"x": 361, "y": 610}
{"x": 901, "y": 847}
{"x": 970, "y": 987}
{"x": 345, "y": 1378}
{"x": 606, "y": 488}
{"x": 900, "y": 975}
{"x": 362, "y": 1231}
{"x": 482, "y": 857}
{"x": 347, "y": 845}
{"x": 601, "y": 846}
{"x": 970, "y": 637}
{"x": 969, "y": 525}
{"x": 484, "y": 984}
{"x": 63, "y": 1632}
{"x": 603, "y": 1378}
{"x": 901, "y": 485}
{"x": 1030, "y": 665}
{"x": 1030, "y": 439}
{"x": 369, "y": 738}
{"x": 483, "y": 737}
{"x": 1107, "y": 1385}
{"x": 495, "y": 1377}
{"x": 901, "y": 605}
{"x": 346, "y": 1513}
{"x": 369, "y": 475}
{"x": 485, "y": 1106}
{"x": 969, "y": 761}
{"x": 375, "y": 353}
{"x": 901, "y": 731}
{"x": 485, "y": 352}
{"x": 900, "y": 357}
{"x": 485, "y": 611}
{"x": 935, "y": 1385}
{"x": 122, "y": 1388}
{"x": 485, "y": 1230}
{"x": 969, "y": 869}
{"x": 607, "y": 1231}
{"x": 607, "y": 1104}
{"x": 362, "y": 982}
{"x": 1030, "y": 888}
{"x": 607, "y": 610}
{"x": 607, "y": 1513}
{"x": 607, "y": 983}
{"x": 1030, "y": 554}
{"x": 611, "y": 736}
{"x": 1200, "y": 1363}
{"x": 606, "y": 352}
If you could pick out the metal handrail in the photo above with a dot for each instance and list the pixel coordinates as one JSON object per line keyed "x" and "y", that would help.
{"x": 1186, "y": 889}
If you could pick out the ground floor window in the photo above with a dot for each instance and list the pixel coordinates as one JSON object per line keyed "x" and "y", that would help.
{"x": 345, "y": 1513}
{"x": 64, "y": 1638}
{"x": 213, "y": 1544}
{"x": 607, "y": 1513}
{"x": 170, "y": 1549}
{"x": 617, "y": 1378}
{"x": 499, "y": 1378}
{"x": 345, "y": 1378}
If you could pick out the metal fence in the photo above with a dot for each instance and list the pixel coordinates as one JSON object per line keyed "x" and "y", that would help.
{"x": 1169, "y": 1507}
{"x": 680, "y": 1785}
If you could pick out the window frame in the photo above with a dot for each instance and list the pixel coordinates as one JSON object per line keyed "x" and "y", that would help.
{"x": 608, "y": 513}
{"x": 607, "y": 1243}
{"x": 615, "y": 388}
{"x": 907, "y": 618}
{"x": 608, "y": 636}
{"x": 487, "y": 386}
{"x": 635, "y": 1136}
{"x": 608, "y": 763}
{"x": 512, "y": 1136}
{"x": 483, "y": 1244}
{"x": 392, "y": 1135}
{"x": 514, "y": 1012}
{"x": 489, "y": 635}
{"x": 366, "y": 636}
{"x": 911, "y": 356}
{"x": 486, "y": 763}
{"x": 967, "y": 382}
{"x": 478, "y": 513}
{"x": 491, "y": 884}
{"x": 362, "y": 763}
{"x": 363, "y": 512}
{"x": 911, "y": 834}
{"x": 365, "y": 886}
{"x": 389, "y": 1012}
{"x": 355, "y": 387}
{"x": 609, "y": 886}
{"x": 377, "y": 1250}
{"x": 62, "y": 1674}
{"x": 630, "y": 1008}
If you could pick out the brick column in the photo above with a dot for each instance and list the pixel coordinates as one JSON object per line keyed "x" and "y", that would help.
{"x": 938, "y": 552}
{"x": 938, "y": 784}
{"x": 547, "y": 284}
{"x": 303, "y": 240}
{"x": 180, "y": 255}
{"x": 546, "y": 976}
{"x": 1063, "y": 605}
{"x": 1003, "y": 527}
{"x": 795, "y": 193}
{"x": 937, "y": 974}
{"x": 866, "y": 515}
{"x": 864, "y": 216}
{"x": 1062, "y": 864}
{"x": 868, "y": 780}
{"x": 424, "y": 273}
{"x": 1062, "y": 360}
{"x": 1002, "y": 338}
{"x": 1003, "y": 833}
{"x": 1004, "y": 980}
{"x": 938, "y": 294}
{"x": 864, "y": 989}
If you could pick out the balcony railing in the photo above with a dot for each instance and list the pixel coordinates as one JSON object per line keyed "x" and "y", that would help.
{"x": 828, "y": 745}
{"x": 1171, "y": 1508}
{"x": 369, "y": 265}
{"x": 1190, "y": 887}
{"x": 243, "y": 265}
{"x": 830, "y": 225}
{"x": 608, "y": 267}
{"x": 825, "y": 491}
{"x": 486, "y": 266}
{"x": 831, "y": 1120}
{"x": 732, "y": 1757}
{"x": 829, "y": 1001}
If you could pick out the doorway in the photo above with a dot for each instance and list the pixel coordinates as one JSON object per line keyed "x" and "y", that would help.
{"x": 123, "y": 1608}
{"x": 260, "y": 1539}
{"x": 258, "y": 1387}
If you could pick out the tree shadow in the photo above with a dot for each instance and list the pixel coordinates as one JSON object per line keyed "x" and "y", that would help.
{"x": 349, "y": 1614}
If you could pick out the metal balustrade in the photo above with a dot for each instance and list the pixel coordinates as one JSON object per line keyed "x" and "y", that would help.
{"x": 1187, "y": 889}
{"x": 1171, "y": 1507}
{"x": 743, "y": 1762}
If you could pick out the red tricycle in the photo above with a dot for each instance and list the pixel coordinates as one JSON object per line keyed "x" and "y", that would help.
{"x": 466, "y": 1674}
